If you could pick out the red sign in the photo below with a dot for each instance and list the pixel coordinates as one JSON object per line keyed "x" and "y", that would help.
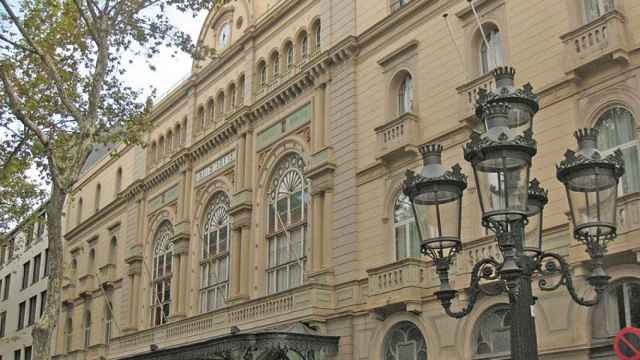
{"x": 627, "y": 344}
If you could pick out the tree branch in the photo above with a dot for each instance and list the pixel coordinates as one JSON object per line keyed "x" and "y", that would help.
{"x": 15, "y": 44}
{"x": 13, "y": 154}
{"x": 48, "y": 62}
{"x": 90, "y": 24}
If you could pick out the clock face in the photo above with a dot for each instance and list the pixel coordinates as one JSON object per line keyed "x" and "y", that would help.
{"x": 224, "y": 36}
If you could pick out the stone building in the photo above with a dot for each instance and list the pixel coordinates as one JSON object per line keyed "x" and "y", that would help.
{"x": 265, "y": 216}
{"x": 23, "y": 285}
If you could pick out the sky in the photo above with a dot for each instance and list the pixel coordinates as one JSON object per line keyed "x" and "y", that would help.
{"x": 169, "y": 70}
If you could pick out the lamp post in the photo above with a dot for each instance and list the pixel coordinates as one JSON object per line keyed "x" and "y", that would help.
{"x": 512, "y": 206}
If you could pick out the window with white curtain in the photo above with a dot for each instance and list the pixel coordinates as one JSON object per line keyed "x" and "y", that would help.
{"x": 87, "y": 329}
{"x": 405, "y": 229}
{"x": 162, "y": 273}
{"x": 405, "y": 95}
{"x": 593, "y": 9}
{"x": 623, "y": 305}
{"x": 405, "y": 341}
{"x": 491, "y": 338}
{"x": 287, "y": 224}
{"x": 618, "y": 130}
{"x": 214, "y": 268}
{"x": 491, "y": 54}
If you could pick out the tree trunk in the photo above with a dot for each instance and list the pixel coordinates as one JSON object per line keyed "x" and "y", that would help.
{"x": 45, "y": 329}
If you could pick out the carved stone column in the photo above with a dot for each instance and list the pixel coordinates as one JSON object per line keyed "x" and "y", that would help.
{"x": 134, "y": 261}
{"x": 241, "y": 212}
{"x": 180, "y": 279}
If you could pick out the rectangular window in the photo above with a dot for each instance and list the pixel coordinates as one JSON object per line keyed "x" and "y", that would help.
{"x": 595, "y": 8}
{"x": 27, "y": 353}
{"x": 3, "y": 323}
{"x": 21, "y": 310}
{"x": 33, "y": 302}
{"x": 7, "y": 287}
{"x": 25, "y": 275}
{"x": 17, "y": 354}
{"x": 43, "y": 302}
{"x": 36, "y": 269}
{"x": 46, "y": 263}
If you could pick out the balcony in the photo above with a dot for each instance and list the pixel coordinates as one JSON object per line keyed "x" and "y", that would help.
{"x": 68, "y": 292}
{"x": 402, "y": 282}
{"x": 87, "y": 284}
{"x": 301, "y": 303}
{"x": 474, "y": 251}
{"x": 602, "y": 40}
{"x": 469, "y": 92}
{"x": 397, "y": 137}
{"x": 107, "y": 274}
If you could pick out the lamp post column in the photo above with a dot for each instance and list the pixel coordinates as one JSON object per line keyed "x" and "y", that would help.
{"x": 524, "y": 342}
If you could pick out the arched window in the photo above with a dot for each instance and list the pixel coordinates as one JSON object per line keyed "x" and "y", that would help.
{"x": 287, "y": 224}
{"x": 87, "y": 329}
{"x": 405, "y": 95}
{"x": 79, "y": 209}
{"x": 97, "y": 197}
{"x": 170, "y": 141}
{"x": 405, "y": 341}
{"x": 275, "y": 65}
{"x": 68, "y": 332}
{"x": 405, "y": 229}
{"x": 152, "y": 153}
{"x": 491, "y": 56}
{"x": 202, "y": 124}
{"x": 593, "y": 9}
{"x": 108, "y": 319}
{"x": 220, "y": 106}
{"x": 113, "y": 251}
{"x": 224, "y": 35}
{"x": 304, "y": 47}
{"x": 183, "y": 136}
{"x": 118, "y": 180}
{"x": 491, "y": 337}
{"x": 162, "y": 273}
{"x": 160, "y": 149}
{"x": 623, "y": 305}
{"x": 262, "y": 72}
{"x": 232, "y": 96}
{"x": 215, "y": 253}
{"x": 617, "y": 130}
{"x": 241, "y": 85}
{"x": 317, "y": 32}
{"x": 91, "y": 266}
{"x": 289, "y": 53}
{"x": 210, "y": 112}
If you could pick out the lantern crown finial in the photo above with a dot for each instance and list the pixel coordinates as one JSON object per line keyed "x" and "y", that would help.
{"x": 504, "y": 76}
{"x": 431, "y": 154}
{"x": 587, "y": 138}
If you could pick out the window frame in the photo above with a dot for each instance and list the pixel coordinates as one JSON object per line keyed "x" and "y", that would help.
{"x": 406, "y": 225}
{"x": 502, "y": 355}
{"x": 494, "y": 37}
{"x": 163, "y": 249}
{"x": 406, "y": 329}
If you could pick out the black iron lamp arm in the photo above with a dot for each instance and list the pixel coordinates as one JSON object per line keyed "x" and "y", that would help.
{"x": 550, "y": 264}
{"x": 485, "y": 269}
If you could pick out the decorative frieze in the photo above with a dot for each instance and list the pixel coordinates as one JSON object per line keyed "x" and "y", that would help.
{"x": 214, "y": 166}
{"x": 278, "y": 130}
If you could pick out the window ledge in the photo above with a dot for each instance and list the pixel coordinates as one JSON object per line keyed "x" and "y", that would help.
{"x": 397, "y": 137}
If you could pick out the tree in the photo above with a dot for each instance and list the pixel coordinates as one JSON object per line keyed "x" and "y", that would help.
{"x": 62, "y": 64}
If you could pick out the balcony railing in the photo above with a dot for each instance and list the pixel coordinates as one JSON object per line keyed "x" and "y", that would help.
{"x": 470, "y": 91}
{"x": 404, "y": 281}
{"x": 397, "y": 136}
{"x": 303, "y": 302}
{"x": 107, "y": 274}
{"x": 474, "y": 251}
{"x": 604, "y": 39}
{"x": 87, "y": 284}
{"x": 68, "y": 292}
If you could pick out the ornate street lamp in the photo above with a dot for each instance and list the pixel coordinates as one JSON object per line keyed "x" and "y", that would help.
{"x": 436, "y": 198}
{"x": 512, "y": 207}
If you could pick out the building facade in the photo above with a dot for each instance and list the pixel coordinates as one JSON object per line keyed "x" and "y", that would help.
{"x": 264, "y": 217}
{"x": 23, "y": 290}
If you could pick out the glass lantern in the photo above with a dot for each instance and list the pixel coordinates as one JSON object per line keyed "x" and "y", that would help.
{"x": 533, "y": 230}
{"x": 436, "y": 198}
{"x": 501, "y": 163}
{"x": 591, "y": 183}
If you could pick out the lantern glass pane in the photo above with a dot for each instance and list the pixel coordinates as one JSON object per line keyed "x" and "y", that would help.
{"x": 519, "y": 117}
{"x": 532, "y": 232}
{"x": 593, "y": 192}
{"x": 438, "y": 212}
{"x": 502, "y": 186}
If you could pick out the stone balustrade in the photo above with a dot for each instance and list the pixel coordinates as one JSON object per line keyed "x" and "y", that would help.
{"x": 469, "y": 92}
{"x": 476, "y": 250}
{"x": 603, "y": 39}
{"x": 107, "y": 274}
{"x": 403, "y": 281}
{"x": 296, "y": 304}
{"x": 396, "y": 136}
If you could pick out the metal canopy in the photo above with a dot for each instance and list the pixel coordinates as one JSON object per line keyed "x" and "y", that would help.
{"x": 297, "y": 342}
